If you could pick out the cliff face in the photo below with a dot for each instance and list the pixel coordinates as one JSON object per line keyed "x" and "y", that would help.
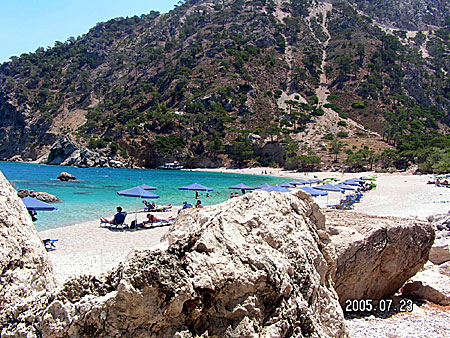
{"x": 198, "y": 83}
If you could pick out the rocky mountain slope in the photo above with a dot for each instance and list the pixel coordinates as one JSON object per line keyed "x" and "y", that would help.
{"x": 237, "y": 82}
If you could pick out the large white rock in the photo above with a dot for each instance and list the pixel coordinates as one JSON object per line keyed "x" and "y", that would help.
{"x": 432, "y": 284}
{"x": 255, "y": 266}
{"x": 376, "y": 255}
{"x": 25, "y": 270}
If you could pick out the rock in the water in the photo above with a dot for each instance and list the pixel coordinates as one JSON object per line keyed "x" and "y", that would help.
{"x": 26, "y": 273}
{"x": 66, "y": 177}
{"x": 432, "y": 284}
{"x": 254, "y": 266}
{"x": 376, "y": 255}
{"x": 41, "y": 196}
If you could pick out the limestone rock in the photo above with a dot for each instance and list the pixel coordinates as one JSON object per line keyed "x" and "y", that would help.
{"x": 431, "y": 284}
{"x": 42, "y": 196}
{"x": 376, "y": 255}
{"x": 25, "y": 270}
{"x": 60, "y": 151}
{"x": 254, "y": 266}
{"x": 66, "y": 177}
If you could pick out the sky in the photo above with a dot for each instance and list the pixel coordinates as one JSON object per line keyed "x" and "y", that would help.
{"x": 26, "y": 25}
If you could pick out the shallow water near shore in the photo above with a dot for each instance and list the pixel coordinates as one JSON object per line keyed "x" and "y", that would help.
{"x": 95, "y": 192}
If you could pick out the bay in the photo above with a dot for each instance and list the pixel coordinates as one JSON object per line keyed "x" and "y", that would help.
{"x": 94, "y": 194}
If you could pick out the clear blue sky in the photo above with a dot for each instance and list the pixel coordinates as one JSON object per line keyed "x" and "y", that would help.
{"x": 26, "y": 25}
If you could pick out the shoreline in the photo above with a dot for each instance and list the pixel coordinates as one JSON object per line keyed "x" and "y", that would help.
{"x": 86, "y": 248}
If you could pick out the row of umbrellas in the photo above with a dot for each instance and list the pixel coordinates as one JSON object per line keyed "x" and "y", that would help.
{"x": 143, "y": 191}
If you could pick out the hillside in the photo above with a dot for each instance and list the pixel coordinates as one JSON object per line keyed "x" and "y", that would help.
{"x": 236, "y": 83}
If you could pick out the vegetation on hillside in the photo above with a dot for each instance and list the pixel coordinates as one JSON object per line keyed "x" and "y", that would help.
{"x": 201, "y": 85}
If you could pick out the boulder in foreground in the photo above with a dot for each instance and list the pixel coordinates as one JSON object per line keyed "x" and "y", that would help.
{"x": 376, "y": 255}
{"x": 254, "y": 266}
{"x": 66, "y": 177}
{"x": 26, "y": 273}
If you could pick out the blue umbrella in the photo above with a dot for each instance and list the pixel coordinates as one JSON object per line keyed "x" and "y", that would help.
{"x": 314, "y": 192}
{"x": 351, "y": 182}
{"x": 265, "y": 185}
{"x": 345, "y": 186}
{"x": 196, "y": 187}
{"x": 148, "y": 187}
{"x": 315, "y": 180}
{"x": 138, "y": 192}
{"x": 358, "y": 180}
{"x": 241, "y": 186}
{"x": 36, "y": 205}
{"x": 298, "y": 182}
{"x": 329, "y": 187}
{"x": 287, "y": 185}
{"x": 275, "y": 188}
{"x": 364, "y": 178}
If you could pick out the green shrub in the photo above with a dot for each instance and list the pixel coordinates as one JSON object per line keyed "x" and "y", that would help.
{"x": 342, "y": 124}
{"x": 358, "y": 105}
{"x": 342, "y": 134}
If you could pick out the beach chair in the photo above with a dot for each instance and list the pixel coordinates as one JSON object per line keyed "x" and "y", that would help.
{"x": 116, "y": 225}
{"x": 49, "y": 244}
{"x": 151, "y": 208}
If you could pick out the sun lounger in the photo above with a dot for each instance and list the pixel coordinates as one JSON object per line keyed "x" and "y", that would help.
{"x": 151, "y": 208}
{"x": 49, "y": 244}
{"x": 122, "y": 225}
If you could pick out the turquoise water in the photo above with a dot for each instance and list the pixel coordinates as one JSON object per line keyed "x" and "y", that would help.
{"x": 94, "y": 194}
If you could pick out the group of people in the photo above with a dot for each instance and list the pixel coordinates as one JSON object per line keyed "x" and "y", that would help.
{"x": 119, "y": 219}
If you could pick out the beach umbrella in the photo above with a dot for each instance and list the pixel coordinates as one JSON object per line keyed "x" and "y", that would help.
{"x": 315, "y": 180}
{"x": 265, "y": 185}
{"x": 351, "y": 182}
{"x": 138, "y": 192}
{"x": 358, "y": 180}
{"x": 241, "y": 186}
{"x": 329, "y": 187}
{"x": 298, "y": 182}
{"x": 364, "y": 178}
{"x": 195, "y": 187}
{"x": 275, "y": 188}
{"x": 345, "y": 186}
{"x": 314, "y": 192}
{"x": 287, "y": 185}
{"x": 37, "y": 205}
{"x": 148, "y": 187}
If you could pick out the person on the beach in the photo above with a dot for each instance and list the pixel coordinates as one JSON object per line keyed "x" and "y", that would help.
{"x": 236, "y": 194}
{"x": 153, "y": 219}
{"x": 231, "y": 195}
{"x": 199, "y": 204}
{"x": 159, "y": 207}
{"x": 207, "y": 194}
{"x": 119, "y": 218}
{"x": 197, "y": 195}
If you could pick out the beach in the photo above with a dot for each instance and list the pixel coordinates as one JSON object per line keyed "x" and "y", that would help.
{"x": 87, "y": 248}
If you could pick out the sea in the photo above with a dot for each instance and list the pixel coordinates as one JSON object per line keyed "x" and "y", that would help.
{"x": 94, "y": 194}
